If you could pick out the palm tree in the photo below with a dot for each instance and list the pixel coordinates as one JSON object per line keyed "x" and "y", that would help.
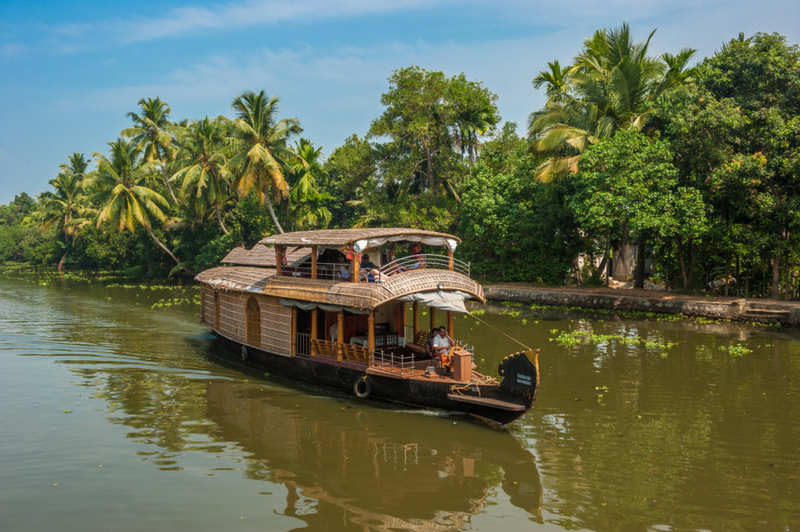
{"x": 152, "y": 131}
{"x": 77, "y": 166}
{"x": 556, "y": 82}
{"x": 66, "y": 207}
{"x": 613, "y": 84}
{"x": 471, "y": 125}
{"x": 308, "y": 172}
{"x": 308, "y": 175}
{"x": 122, "y": 188}
{"x": 199, "y": 162}
{"x": 259, "y": 152}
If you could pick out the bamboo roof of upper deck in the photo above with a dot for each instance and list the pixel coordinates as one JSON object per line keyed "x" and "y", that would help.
{"x": 343, "y": 237}
{"x": 346, "y": 293}
{"x": 264, "y": 256}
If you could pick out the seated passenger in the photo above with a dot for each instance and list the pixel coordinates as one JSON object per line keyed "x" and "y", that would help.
{"x": 442, "y": 343}
{"x": 429, "y": 345}
{"x": 343, "y": 270}
{"x": 418, "y": 258}
{"x": 368, "y": 270}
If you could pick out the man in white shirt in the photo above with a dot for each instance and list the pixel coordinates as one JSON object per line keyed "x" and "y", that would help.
{"x": 442, "y": 343}
{"x": 334, "y": 332}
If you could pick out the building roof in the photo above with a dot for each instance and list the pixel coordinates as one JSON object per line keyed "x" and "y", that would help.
{"x": 347, "y": 294}
{"x": 343, "y": 237}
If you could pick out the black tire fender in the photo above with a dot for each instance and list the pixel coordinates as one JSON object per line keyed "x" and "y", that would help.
{"x": 245, "y": 354}
{"x": 362, "y": 388}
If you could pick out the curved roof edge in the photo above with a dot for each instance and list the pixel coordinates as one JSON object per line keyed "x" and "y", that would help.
{"x": 342, "y": 237}
{"x": 347, "y": 294}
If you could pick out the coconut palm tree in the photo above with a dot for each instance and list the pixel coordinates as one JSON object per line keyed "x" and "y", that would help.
{"x": 556, "y": 81}
{"x": 122, "y": 186}
{"x": 199, "y": 162}
{"x": 66, "y": 208}
{"x": 308, "y": 175}
{"x": 613, "y": 84}
{"x": 77, "y": 166}
{"x": 259, "y": 152}
{"x": 153, "y": 133}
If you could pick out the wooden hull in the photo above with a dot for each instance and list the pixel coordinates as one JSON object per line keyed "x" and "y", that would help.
{"x": 498, "y": 403}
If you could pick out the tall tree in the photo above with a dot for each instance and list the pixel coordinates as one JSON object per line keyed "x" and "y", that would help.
{"x": 259, "y": 152}
{"x": 428, "y": 117}
{"x": 613, "y": 84}
{"x": 152, "y": 131}
{"x": 198, "y": 163}
{"x": 761, "y": 75}
{"x": 66, "y": 208}
{"x": 77, "y": 166}
{"x": 122, "y": 188}
{"x": 629, "y": 180}
{"x": 308, "y": 178}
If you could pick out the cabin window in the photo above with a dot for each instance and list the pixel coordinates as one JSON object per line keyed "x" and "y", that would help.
{"x": 253, "y": 322}
{"x": 216, "y": 309}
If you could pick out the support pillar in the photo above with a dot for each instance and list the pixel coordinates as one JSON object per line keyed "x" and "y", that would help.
{"x": 313, "y": 262}
{"x": 340, "y": 337}
{"x": 356, "y": 266}
{"x": 450, "y": 328}
{"x": 449, "y": 260}
{"x": 314, "y": 323}
{"x": 279, "y": 260}
{"x": 371, "y": 335}
{"x": 415, "y": 307}
{"x": 294, "y": 331}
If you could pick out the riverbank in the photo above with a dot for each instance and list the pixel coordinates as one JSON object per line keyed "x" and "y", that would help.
{"x": 716, "y": 307}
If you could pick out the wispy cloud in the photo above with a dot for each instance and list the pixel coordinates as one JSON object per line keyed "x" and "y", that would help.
{"x": 188, "y": 21}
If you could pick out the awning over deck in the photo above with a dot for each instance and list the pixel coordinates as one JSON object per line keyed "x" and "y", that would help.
{"x": 450, "y": 301}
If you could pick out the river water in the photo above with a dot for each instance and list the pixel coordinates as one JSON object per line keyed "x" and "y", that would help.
{"x": 117, "y": 412}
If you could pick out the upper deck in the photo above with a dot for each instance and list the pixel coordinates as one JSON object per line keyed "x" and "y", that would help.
{"x": 325, "y": 267}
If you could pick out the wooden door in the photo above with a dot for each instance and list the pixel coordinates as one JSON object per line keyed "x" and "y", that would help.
{"x": 253, "y": 322}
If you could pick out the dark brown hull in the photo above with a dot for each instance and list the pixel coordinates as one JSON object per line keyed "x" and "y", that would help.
{"x": 500, "y": 403}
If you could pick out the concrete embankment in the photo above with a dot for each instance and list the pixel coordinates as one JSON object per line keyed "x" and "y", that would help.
{"x": 760, "y": 310}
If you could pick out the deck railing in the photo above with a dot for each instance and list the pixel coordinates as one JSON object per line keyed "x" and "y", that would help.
{"x": 392, "y": 362}
{"x": 329, "y": 271}
{"x": 426, "y": 261}
{"x": 303, "y": 344}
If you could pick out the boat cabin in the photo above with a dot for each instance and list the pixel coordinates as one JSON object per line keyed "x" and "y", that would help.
{"x": 341, "y": 295}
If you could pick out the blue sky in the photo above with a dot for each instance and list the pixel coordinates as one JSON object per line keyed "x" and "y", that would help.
{"x": 70, "y": 71}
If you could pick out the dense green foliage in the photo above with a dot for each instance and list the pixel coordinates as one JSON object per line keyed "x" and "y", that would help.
{"x": 696, "y": 164}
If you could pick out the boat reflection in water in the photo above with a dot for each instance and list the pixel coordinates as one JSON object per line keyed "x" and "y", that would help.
{"x": 370, "y": 469}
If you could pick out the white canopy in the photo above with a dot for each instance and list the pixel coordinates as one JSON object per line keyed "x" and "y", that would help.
{"x": 450, "y": 301}
{"x": 360, "y": 245}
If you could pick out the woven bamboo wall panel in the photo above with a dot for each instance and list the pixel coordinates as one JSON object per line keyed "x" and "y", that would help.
{"x": 231, "y": 310}
{"x": 206, "y": 311}
{"x": 276, "y": 326}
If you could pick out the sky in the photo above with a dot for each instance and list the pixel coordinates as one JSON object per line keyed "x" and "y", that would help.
{"x": 70, "y": 71}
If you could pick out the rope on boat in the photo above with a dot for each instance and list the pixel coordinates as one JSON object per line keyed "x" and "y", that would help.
{"x": 501, "y": 332}
{"x": 477, "y": 382}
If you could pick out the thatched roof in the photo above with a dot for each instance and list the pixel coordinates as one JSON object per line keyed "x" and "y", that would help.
{"x": 263, "y": 256}
{"x": 343, "y": 237}
{"x": 348, "y": 294}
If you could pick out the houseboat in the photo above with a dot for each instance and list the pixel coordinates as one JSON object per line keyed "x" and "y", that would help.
{"x": 329, "y": 307}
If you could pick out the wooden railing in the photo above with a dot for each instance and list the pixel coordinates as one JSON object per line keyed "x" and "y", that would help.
{"x": 350, "y": 353}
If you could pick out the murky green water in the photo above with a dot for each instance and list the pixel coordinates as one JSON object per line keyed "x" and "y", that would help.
{"x": 162, "y": 434}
